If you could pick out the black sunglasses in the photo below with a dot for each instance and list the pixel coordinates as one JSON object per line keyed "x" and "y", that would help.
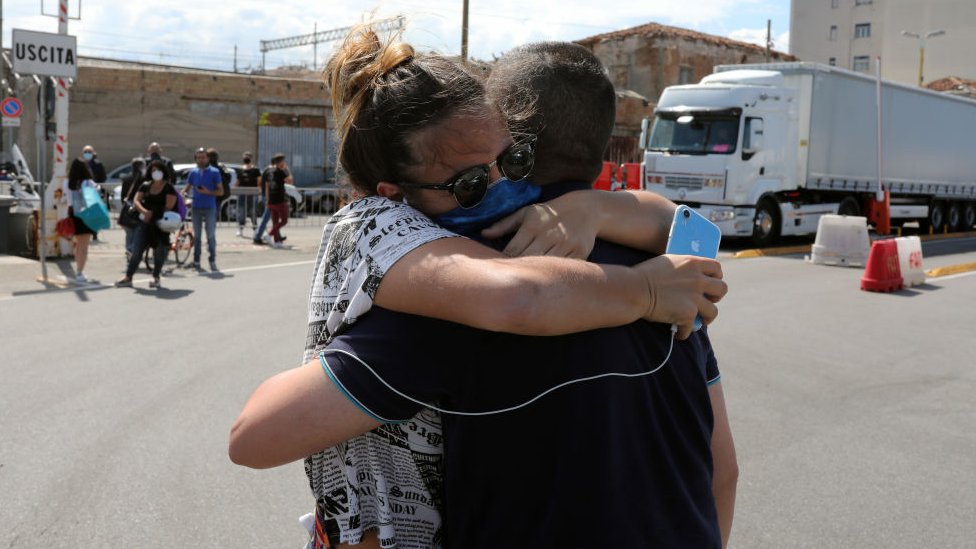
{"x": 470, "y": 186}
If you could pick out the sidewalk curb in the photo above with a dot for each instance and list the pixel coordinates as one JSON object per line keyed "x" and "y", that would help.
{"x": 951, "y": 270}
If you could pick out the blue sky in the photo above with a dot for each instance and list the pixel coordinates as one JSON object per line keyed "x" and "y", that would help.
{"x": 203, "y": 34}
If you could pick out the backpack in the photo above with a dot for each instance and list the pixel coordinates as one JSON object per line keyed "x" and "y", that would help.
{"x": 180, "y": 207}
{"x": 224, "y": 181}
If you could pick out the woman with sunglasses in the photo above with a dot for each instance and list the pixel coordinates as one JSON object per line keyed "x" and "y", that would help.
{"x": 421, "y": 145}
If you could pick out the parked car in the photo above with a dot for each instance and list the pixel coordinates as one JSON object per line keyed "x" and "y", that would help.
{"x": 228, "y": 205}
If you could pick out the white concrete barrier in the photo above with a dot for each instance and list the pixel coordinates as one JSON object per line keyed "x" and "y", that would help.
{"x": 841, "y": 240}
{"x": 910, "y": 260}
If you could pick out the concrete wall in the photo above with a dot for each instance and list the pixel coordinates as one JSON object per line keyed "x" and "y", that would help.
{"x": 121, "y": 109}
{"x": 948, "y": 55}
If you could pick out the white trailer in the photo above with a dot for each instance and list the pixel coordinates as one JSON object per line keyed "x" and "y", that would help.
{"x": 765, "y": 150}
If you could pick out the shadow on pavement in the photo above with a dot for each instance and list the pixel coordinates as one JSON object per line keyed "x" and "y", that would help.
{"x": 164, "y": 292}
{"x": 913, "y": 291}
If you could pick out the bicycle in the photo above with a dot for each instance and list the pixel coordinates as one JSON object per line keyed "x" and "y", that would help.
{"x": 181, "y": 246}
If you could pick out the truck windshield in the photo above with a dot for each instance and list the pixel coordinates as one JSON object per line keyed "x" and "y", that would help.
{"x": 691, "y": 133}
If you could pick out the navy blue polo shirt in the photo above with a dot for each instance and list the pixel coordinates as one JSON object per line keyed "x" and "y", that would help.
{"x": 616, "y": 462}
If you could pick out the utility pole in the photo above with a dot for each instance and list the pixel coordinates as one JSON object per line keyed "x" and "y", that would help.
{"x": 464, "y": 34}
{"x": 769, "y": 37}
{"x": 235, "y": 57}
{"x": 315, "y": 48}
{"x": 59, "y": 163}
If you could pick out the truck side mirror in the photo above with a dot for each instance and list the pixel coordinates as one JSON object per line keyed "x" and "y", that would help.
{"x": 753, "y": 136}
{"x": 645, "y": 126}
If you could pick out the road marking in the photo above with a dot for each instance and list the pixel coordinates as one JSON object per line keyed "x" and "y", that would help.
{"x": 69, "y": 286}
{"x": 946, "y": 236}
{"x": 960, "y": 275}
{"x": 951, "y": 270}
{"x": 769, "y": 252}
{"x": 272, "y": 266}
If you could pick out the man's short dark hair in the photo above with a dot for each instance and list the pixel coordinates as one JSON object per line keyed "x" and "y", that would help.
{"x": 277, "y": 158}
{"x": 559, "y": 92}
{"x": 212, "y": 154}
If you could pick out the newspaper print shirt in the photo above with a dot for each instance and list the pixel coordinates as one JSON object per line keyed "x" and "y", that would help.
{"x": 388, "y": 479}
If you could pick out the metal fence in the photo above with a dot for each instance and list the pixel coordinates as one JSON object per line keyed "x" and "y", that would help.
{"x": 306, "y": 205}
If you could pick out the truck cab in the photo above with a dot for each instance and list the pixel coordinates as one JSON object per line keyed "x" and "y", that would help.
{"x": 707, "y": 149}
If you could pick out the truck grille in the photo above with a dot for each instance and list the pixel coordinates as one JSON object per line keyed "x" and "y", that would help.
{"x": 683, "y": 182}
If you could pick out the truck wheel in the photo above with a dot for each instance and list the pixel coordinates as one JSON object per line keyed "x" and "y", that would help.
{"x": 954, "y": 217}
{"x": 936, "y": 219}
{"x": 766, "y": 225}
{"x": 969, "y": 216}
{"x": 849, "y": 206}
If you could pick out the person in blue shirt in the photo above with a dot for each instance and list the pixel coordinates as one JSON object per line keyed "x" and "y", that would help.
{"x": 207, "y": 188}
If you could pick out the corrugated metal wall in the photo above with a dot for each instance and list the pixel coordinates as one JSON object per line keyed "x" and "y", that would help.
{"x": 304, "y": 149}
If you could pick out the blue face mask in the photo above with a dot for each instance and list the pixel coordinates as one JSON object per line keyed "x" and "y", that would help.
{"x": 87, "y": 155}
{"x": 503, "y": 197}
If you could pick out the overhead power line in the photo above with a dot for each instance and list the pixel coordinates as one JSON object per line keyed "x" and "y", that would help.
{"x": 393, "y": 23}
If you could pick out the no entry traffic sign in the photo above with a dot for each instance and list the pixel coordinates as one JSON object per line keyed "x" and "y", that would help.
{"x": 11, "y": 107}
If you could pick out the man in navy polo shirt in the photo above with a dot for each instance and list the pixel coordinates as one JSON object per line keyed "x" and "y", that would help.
{"x": 615, "y": 462}
{"x": 625, "y": 460}
{"x": 207, "y": 187}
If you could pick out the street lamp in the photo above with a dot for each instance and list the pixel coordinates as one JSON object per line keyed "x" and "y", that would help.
{"x": 921, "y": 47}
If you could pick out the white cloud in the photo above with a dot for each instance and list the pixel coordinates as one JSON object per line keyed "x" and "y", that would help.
{"x": 758, "y": 37}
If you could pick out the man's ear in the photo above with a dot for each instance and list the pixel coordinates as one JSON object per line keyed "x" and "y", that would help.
{"x": 389, "y": 190}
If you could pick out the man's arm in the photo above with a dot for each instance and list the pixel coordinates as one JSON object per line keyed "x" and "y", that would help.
{"x": 567, "y": 226}
{"x": 726, "y": 467}
{"x": 219, "y": 189}
{"x": 292, "y": 415}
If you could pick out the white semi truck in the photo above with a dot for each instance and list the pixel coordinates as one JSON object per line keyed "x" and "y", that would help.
{"x": 765, "y": 150}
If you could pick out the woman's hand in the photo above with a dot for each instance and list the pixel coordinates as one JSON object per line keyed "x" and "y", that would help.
{"x": 146, "y": 217}
{"x": 566, "y": 227}
{"x": 681, "y": 287}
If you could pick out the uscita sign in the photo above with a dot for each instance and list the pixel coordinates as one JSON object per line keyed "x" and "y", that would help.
{"x": 45, "y": 54}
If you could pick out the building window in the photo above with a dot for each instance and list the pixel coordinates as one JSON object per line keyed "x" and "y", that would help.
{"x": 685, "y": 75}
{"x": 834, "y": 3}
{"x": 862, "y": 63}
{"x": 862, "y": 30}
{"x": 859, "y": 2}
{"x": 832, "y": 62}
{"x": 833, "y": 33}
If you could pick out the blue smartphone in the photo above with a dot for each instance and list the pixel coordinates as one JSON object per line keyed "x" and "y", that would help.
{"x": 692, "y": 234}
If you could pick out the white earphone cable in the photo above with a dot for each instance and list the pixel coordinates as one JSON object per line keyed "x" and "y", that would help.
{"x": 487, "y": 412}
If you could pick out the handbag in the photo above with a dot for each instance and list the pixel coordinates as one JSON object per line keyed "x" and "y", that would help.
{"x": 95, "y": 214}
{"x": 129, "y": 217}
{"x": 65, "y": 228}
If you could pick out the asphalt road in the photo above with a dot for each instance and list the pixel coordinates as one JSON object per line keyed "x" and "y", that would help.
{"x": 853, "y": 412}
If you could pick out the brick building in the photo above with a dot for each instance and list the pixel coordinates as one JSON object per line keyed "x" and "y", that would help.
{"x": 120, "y": 107}
{"x": 644, "y": 60}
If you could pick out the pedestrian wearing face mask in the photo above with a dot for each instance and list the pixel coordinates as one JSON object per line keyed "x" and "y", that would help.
{"x": 94, "y": 164}
{"x": 275, "y": 198}
{"x": 156, "y": 153}
{"x": 207, "y": 189}
{"x": 153, "y": 199}
{"x": 246, "y": 203}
